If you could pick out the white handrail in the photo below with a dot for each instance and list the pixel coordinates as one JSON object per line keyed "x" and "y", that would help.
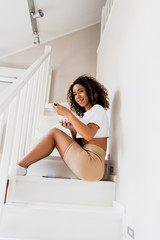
{"x": 21, "y": 105}
{"x": 6, "y": 97}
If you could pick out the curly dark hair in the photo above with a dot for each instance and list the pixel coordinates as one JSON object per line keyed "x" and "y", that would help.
{"x": 96, "y": 92}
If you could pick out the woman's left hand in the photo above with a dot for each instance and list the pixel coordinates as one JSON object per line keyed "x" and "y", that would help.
{"x": 66, "y": 124}
{"x": 61, "y": 110}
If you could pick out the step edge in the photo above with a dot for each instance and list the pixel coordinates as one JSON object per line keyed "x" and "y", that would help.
{"x": 64, "y": 207}
{"x": 62, "y": 180}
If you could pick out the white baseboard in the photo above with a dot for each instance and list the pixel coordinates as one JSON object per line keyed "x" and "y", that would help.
{"x": 122, "y": 209}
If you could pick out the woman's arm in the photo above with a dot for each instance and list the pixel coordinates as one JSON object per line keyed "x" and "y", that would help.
{"x": 70, "y": 127}
{"x": 86, "y": 131}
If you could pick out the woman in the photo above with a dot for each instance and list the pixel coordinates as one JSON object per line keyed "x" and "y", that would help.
{"x": 85, "y": 152}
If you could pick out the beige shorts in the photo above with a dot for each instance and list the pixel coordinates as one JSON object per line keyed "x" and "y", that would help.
{"x": 87, "y": 162}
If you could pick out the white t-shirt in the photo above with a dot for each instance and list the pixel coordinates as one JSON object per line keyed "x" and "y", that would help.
{"x": 98, "y": 115}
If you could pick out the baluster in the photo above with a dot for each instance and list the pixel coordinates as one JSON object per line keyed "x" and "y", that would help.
{"x": 39, "y": 96}
{"x": 1, "y": 127}
{"x": 35, "y": 119}
{"x": 48, "y": 74}
{"x": 48, "y": 84}
{"x": 18, "y": 132}
{"x": 46, "y": 77}
{"x": 3, "y": 119}
{"x": 48, "y": 80}
{"x": 42, "y": 89}
{"x": 31, "y": 115}
{"x": 8, "y": 141}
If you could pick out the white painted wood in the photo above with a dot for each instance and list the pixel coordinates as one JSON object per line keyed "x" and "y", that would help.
{"x": 48, "y": 85}
{"x": 24, "y": 127}
{"x": 52, "y": 166}
{"x": 37, "y": 105}
{"x": 7, "y": 148}
{"x": 2, "y": 122}
{"x": 67, "y": 191}
{"x": 12, "y": 90}
{"x": 33, "y": 110}
{"x": 39, "y": 91}
{"x": 31, "y": 118}
{"x": 46, "y": 78}
{"x": 19, "y": 123}
{"x": 18, "y": 130}
{"x": 15, "y": 119}
{"x": 60, "y": 222}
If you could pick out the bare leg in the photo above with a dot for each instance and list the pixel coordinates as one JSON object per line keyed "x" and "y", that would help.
{"x": 54, "y": 138}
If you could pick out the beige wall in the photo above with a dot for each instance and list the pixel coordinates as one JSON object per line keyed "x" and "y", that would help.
{"x": 128, "y": 65}
{"x": 72, "y": 55}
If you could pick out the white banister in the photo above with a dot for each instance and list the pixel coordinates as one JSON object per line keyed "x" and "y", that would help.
{"x": 20, "y": 107}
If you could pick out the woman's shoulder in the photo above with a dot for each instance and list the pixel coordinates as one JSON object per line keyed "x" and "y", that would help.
{"x": 96, "y": 110}
{"x": 98, "y": 107}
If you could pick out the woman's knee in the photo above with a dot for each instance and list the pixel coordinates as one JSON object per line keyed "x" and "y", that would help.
{"x": 54, "y": 131}
{"x": 56, "y": 134}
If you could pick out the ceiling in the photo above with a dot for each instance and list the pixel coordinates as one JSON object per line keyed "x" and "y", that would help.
{"x": 60, "y": 18}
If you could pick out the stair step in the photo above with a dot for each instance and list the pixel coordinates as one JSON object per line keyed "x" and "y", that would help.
{"x": 60, "y": 222}
{"x": 57, "y": 190}
{"x": 54, "y": 166}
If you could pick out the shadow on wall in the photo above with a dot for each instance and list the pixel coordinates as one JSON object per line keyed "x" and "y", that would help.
{"x": 116, "y": 141}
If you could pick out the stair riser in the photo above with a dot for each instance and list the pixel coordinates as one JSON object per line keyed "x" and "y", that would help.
{"x": 29, "y": 189}
{"x": 60, "y": 225}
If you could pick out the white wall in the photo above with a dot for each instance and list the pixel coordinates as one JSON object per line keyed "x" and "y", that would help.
{"x": 3, "y": 86}
{"x": 129, "y": 66}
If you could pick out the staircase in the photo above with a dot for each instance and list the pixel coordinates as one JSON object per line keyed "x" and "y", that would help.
{"x": 51, "y": 202}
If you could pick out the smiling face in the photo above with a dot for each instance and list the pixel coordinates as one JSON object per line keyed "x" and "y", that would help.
{"x": 81, "y": 97}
